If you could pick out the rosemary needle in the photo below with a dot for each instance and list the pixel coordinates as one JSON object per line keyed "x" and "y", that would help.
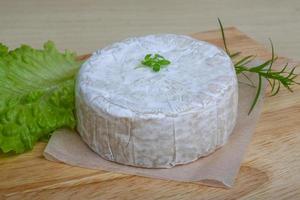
{"x": 276, "y": 79}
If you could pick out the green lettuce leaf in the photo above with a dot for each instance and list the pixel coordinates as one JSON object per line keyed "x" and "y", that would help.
{"x": 36, "y": 94}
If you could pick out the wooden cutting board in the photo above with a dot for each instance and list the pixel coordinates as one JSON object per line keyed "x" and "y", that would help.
{"x": 270, "y": 169}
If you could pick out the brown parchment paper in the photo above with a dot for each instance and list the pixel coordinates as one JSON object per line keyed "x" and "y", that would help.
{"x": 219, "y": 169}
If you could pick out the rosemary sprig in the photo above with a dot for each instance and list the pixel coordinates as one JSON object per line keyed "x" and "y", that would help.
{"x": 155, "y": 62}
{"x": 276, "y": 79}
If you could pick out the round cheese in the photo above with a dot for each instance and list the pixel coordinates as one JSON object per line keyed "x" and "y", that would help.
{"x": 130, "y": 114}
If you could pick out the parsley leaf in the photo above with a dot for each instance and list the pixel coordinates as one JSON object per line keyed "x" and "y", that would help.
{"x": 155, "y": 62}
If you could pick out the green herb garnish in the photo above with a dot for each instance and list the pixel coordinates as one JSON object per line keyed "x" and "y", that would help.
{"x": 155, "y": 62}
{"x": 276, "y": 79}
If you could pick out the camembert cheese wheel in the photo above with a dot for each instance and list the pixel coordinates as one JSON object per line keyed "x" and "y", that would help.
{"x": 130, "y": 114}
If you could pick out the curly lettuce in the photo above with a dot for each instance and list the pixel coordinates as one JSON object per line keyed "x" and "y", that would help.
{"x": 36, "y": 94}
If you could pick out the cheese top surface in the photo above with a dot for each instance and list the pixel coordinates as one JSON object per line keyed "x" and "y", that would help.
{"x": 114, "y": 79}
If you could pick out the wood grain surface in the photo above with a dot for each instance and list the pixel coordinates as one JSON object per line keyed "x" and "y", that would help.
{"x": 84, "y": 26}
{"x": 270, "y": 169}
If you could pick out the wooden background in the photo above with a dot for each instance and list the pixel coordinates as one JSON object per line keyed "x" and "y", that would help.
{"x": 86, "y": 25}
{"x": 270, "y": 169}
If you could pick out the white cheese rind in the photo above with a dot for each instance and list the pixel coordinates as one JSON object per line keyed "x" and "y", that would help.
{"x": 138, "y": 117}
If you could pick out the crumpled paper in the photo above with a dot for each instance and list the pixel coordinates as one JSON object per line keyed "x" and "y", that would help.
{"x": 218, "y": 169}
